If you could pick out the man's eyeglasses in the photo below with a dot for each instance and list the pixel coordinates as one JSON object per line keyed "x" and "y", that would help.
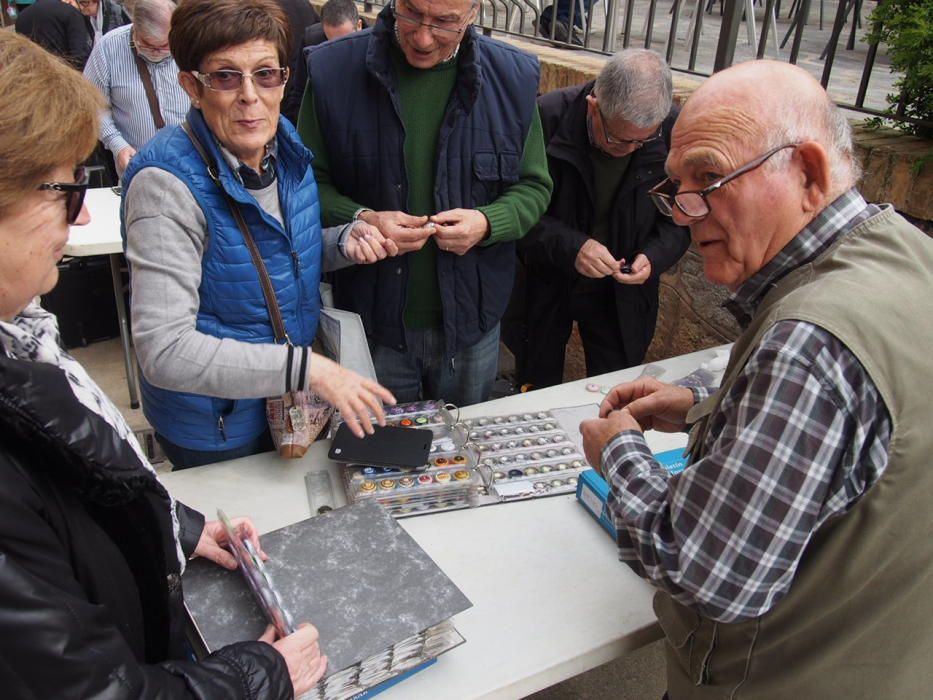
{"x": 695, "y": 203}
{"x": 223, "y": 80}
{"x": 143, "y": 45}
{"x": 439, "y": 27}
{"x": 613, "y": 141}
{"x": 74, "y": 192}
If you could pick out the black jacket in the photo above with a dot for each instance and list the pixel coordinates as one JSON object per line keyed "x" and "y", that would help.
{"x": 56, "y": 27}
{"x": 635, "y": 226}
{"x": 301, "y": 15}
{"x": 90, "y": 592}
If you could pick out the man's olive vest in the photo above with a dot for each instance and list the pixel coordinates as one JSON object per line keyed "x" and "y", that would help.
{"x": 857, "y": 621}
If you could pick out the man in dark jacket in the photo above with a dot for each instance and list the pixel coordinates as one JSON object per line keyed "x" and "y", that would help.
{"x": 338, "y": 18}
{"x": 301, "y": 15}
{"x": 57, "y": 27}
{"x": 596, "y": 255}
{"x": 102, "y": 16}
{"x": 432, "y": 134}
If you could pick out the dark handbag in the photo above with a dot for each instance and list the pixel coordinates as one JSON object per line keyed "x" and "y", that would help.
{"x": 297, "y": 417}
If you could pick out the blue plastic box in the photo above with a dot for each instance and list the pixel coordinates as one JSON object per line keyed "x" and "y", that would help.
{"x": 593, "y": 491}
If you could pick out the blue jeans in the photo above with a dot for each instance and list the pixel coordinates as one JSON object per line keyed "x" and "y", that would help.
{"x": 185, "y": 458}
{"x": 424, "y": 372}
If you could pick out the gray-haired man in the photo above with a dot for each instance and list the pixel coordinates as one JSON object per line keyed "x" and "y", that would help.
{"x": 133, "y": 69}
{"x": 596, "y": 255}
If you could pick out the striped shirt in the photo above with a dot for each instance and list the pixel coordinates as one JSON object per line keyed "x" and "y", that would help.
{"x": 128, "y": 121}
{"x": 801, "y": 436}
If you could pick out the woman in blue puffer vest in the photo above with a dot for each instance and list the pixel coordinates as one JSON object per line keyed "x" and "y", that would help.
{"x": 201, "y": 326}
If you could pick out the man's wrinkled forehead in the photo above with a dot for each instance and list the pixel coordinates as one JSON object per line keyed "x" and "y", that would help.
{"x": 709, "y": 135}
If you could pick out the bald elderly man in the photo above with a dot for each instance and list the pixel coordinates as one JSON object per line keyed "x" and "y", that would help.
{"x": 793, "y": 558}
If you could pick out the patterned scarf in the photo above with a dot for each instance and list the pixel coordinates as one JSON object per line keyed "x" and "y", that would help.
{"x": 33, "y": 336}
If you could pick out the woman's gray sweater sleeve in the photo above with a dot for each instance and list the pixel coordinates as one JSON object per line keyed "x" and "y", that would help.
{"x": 166, "y": 239}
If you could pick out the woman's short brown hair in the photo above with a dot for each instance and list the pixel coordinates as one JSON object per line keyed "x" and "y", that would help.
{"x": 48, "y": 116}
{"x": 201, "y": 27}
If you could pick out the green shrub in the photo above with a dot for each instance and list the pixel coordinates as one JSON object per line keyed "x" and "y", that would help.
{"x": 906, "y": 26}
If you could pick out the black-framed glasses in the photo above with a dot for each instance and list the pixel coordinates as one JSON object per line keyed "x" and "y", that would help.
{"x": 443, "y": 27}
{"x": 613, "y": 141}
{"x": 74, "y": 192}
{"x": 695, "y": 203}
{"x": 224, "y": 80}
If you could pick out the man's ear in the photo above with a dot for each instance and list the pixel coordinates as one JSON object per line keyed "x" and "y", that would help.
{"x": 816, "y": 172}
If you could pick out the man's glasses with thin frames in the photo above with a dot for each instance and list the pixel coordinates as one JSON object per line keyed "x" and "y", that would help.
{"x": 441, "y": 27}
{"x": 695, "y": 203}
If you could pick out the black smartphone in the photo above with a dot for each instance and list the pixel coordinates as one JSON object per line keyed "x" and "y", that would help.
{"x": 386, "y": 447}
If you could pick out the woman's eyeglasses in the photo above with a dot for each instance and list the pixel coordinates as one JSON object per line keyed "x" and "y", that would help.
{"x": 694, "y": 203}
{"x": 224, "y": 80}
{"x": 74, "y": 192}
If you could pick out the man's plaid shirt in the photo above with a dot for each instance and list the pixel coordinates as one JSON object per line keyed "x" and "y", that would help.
{"x": 801, "y": 436}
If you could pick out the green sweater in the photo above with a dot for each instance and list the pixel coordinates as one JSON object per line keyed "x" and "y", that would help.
{"x": 423, "y": 98}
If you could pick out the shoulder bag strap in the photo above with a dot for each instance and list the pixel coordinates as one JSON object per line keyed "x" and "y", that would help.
{"x": 268, "y": 291}
{"x": 151, "y": 96}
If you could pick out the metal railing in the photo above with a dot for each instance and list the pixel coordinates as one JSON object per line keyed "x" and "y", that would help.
{"x": 702, "y": 36}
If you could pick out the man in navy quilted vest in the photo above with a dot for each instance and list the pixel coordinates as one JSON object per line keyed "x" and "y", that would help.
{"x": 429, "y": 131}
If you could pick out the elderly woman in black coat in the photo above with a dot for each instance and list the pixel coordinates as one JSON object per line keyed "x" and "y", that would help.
{"x": 91, "y": 545}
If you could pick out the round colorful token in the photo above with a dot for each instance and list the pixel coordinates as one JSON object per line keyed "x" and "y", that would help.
{"x": 442, "y": 477}
{"x": 368, "y": 486}
{"x": 405, "y": 422}
{"x": 592, "y": 387}
{"x": 545, "y": 468}
{"x": 551, "y": 452}
{"x": 567, "y": 451}
{"x": 425, "y": 479}
{"x": 577, "y": 463}
{"x": 498, "y": 476}
{"x": 369, "y": 471}
{"x": 515, "y": 472}
{"x": 387, "y": 484}
{"x": 459, "y": 459}
{"x": 421, "y": 420}
{"x": 531, "y": 471}
{"x": 441, "y": 462}
{"x": 562, "y": 466}
{"x": 572, "y": 481}
{"x": 461, "y": 475}
{"x": 406, "y": 482}
{"x": 557, "y": 482}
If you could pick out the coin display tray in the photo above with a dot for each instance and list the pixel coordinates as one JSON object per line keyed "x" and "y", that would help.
{"x": 418, "y": 414}
{"x": 448, "y": 481}
{"x": 507, "y": 457}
